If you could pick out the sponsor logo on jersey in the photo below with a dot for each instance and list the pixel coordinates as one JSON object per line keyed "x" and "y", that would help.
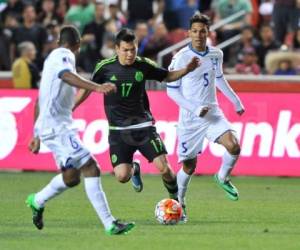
{"x": 113, "y": 78}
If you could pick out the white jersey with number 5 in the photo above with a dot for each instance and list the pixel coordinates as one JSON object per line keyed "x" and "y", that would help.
{"x": 194, "y": 91}
{"x": 199, "y": 85}
{"x": 56, "y": 98}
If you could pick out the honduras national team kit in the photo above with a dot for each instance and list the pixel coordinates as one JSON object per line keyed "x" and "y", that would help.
{"x": 54, "y": 125}
{"x": 198, "y": 90}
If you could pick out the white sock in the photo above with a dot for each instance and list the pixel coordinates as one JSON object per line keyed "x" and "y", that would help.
{"x": 183, "y": 180}
{"x": 97, "y": 197}
{"x": 227, "y": 166}
{"x": 54, "y": 188}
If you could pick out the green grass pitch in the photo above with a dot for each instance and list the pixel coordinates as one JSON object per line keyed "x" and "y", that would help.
{"x": 267, "y": 216}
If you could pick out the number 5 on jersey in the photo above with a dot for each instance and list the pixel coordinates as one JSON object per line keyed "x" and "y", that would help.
{"x": 205, "y": 77}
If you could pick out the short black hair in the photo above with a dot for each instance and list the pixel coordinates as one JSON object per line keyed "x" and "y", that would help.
{"x": 126, "y": 35}
{"x": 26, "y": 6}
{"x": 200, "y": 18}
{"x": 69, "y": 35}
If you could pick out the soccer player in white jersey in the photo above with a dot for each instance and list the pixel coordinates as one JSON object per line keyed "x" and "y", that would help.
{"x": 54, "y": 127}
{"x": 200, "y": 116}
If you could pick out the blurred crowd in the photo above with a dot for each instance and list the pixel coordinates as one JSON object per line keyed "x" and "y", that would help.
{"x": 270, "y": 32}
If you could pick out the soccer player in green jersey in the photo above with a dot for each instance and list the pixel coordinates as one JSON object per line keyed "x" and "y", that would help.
{"x": 131, "y": 125}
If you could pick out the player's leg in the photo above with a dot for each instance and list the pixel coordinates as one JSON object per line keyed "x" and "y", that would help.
{"x": 190, "y": 143}
{"x": 97, "y": 197}
{"x": 154, "y": 150}
{"x": 122, "y": 145}
{"x": 230, "y": 157}
{"x": 69, "y": 177}
{"x": 168, "y": 176}
{"x": 184, "y": 176}
{"x": 123, "y": 172}
{"x": 220, "y": 131}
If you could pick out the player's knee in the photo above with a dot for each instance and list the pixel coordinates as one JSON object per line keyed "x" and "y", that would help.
{"x": 123, "y": 177}
{"x": 91, "y": 169}
{"x": 189, "y": 170}
{"x": 189, "y": 166}
{"x": 166, "y": 170}
{"x": 234, "y": 148}
{"x": 72, "y": 182}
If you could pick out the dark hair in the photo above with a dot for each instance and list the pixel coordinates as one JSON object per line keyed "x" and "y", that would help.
{"x": 26, "y": 6}
{"x": 69, "y": 35}
{"x": 200, "y": 18}
{"x": 126, "y": 35}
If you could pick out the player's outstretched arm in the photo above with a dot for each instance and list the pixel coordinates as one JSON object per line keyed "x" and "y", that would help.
{"x": 225, "y": 88}
{"x": 79, "y": 82}
{"x": 176, "y": 74}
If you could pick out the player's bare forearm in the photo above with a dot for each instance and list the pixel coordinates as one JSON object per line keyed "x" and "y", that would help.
{"x": 36, "y": 110}
{"x": 81, "y": 83}
{"x": 34, "y": 143}
{"x": 78, "y": 81}
{"x": 177, "y": 74}
{"x": 81, "y": 96}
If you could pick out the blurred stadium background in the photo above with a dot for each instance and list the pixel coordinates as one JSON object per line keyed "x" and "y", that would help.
{"x": 261, "y": 44}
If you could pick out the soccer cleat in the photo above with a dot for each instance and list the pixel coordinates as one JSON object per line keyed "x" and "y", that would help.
{"x": 37, "y": 213}
{"x": 228, "y": 187}
{"x": 118, "y": 228}
{"x": 136, "y": 179}
{"x": 184, "y": 217}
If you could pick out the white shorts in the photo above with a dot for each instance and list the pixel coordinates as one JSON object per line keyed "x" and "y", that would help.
{"x": 190, "y": 138}
{"x": 67, "y": 148}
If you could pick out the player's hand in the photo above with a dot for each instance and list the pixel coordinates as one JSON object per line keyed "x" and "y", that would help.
{"x": 106, "y": 88}
{"x": 240, "y": 112}
{"x": 34, "y": 145}
{"x": 204, "y": 111}
{"x": 193, "y": 64}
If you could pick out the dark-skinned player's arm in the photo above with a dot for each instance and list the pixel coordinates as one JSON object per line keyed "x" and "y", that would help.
{"x": 74, "y": 80}
{"x": 81, "y": 96}
{"x": 176, "y": 74}
{"x": 34, "y": 143}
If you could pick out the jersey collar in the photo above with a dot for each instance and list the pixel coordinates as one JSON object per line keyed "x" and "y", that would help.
{"x": 197, "y": 52}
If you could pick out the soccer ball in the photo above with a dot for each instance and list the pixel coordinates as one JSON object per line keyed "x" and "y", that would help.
{"x": 168, "y": 212}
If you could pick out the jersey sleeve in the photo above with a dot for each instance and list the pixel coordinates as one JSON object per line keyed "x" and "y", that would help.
{"x": 153, "y": 71}
{"x": 219, "y": 68}
{"x": 97, "y": 75}
{"x": 174, "y": 65}
{"x": 65, "y": 62}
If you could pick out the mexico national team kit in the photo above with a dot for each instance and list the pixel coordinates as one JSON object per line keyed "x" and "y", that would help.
{"x": 198, "y": 90}
{"x": 130, "y": 120}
